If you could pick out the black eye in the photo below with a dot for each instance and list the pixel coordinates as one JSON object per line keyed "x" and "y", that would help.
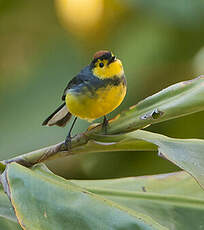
{"x": 101, "y": 64}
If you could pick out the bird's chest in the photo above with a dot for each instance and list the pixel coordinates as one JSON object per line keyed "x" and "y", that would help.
{"x": 92, "y": 103}
{"x": 108, "y": 98}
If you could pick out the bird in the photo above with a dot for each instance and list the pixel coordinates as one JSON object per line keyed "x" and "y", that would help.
{"x": 97, "y": 90}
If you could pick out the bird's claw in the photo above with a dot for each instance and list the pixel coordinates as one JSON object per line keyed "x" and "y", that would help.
{"x": 68, "y": 142}
{"x": 105, "y": 125}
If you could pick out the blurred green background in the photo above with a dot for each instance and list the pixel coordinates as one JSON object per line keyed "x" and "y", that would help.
{"x": 43, "y": 44}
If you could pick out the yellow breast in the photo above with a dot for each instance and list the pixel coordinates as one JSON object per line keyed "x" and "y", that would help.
{"x": 104, "y": 101}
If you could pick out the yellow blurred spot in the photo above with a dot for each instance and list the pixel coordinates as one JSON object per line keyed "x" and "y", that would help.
{"x": 80, "y": 16}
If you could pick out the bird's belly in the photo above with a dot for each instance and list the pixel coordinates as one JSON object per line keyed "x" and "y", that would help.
{"x": 91, "y": 106}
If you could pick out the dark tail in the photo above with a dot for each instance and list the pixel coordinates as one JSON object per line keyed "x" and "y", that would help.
{"x": 59, "y": 117}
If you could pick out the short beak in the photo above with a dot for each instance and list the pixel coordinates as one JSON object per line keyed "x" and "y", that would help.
{"x": 112, "y": 59}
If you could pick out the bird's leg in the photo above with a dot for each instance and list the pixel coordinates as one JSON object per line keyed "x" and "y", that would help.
{"x": 68, "y": 137}
{"x": 105, "y": 124}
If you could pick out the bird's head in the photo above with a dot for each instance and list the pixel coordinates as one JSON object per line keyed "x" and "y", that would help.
{"x": 106, "y": 65}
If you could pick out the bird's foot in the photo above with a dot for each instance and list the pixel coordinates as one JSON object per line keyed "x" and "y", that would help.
{"x": 68, "y": 142}
{"x": 105, "y": 125}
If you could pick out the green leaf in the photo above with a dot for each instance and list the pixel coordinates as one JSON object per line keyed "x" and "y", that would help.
{"x": 174, "y": 200}
{"x": 169, "y": 201}
{"x": 175, "y": 101}
{"x": 45, "y": 201}
{"x": 8, "y": 219}
{"x": 188, "y": 154}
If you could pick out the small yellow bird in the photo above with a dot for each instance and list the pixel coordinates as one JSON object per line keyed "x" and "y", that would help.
{"x": 96, "y": 91}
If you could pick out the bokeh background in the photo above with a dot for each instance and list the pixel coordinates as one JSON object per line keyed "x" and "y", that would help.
{"x": 43, "y": 44}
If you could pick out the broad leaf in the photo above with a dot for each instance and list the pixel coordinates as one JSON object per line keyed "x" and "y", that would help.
{"x": 174, "y": 200}
{"x": 8, "y": 219}
{"x": 45, "y": 201}
{"x": 188, "y": 154}
{"x": 175, "y": 101}
{"x": 171, "y": 201}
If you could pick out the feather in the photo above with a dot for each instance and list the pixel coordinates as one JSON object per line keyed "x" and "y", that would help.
{"x": 59, "y": 117}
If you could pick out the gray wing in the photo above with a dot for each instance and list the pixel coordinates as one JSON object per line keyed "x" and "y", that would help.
{"x": 80, "y": 79}
{"x": 76, "y": 81}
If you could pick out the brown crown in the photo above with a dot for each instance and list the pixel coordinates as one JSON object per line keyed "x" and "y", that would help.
{"x": 100, "y": 53}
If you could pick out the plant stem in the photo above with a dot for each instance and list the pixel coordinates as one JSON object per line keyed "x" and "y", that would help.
{"x": 87, "y": 142}
{"x": 47, "y": 153}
